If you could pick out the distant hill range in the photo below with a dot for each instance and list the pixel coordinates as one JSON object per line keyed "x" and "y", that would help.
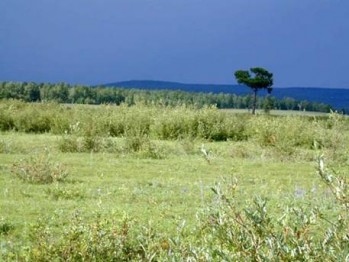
{"x": 337, "y": 98}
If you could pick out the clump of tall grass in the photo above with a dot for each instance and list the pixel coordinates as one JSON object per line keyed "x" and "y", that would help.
{"x": 39, "y": 169}
{"x": 126, "y": 121}
{"x": 33, "y": 118}
{"x": 103, "y": 239}
{"x": 82, "y": 137}
{"x": 136, "y": 143}
{"x": 3, "y": 147}
{"x": 332, "y": 137}
{"x": 142, "y": 146}
{"x": 139, "y": 145}
{"x": 205, "y": 123}
{"x": 58, "y": 192}
{"x": 9, "y": 146}
{"x": 86, "y": 144}
{"x": 69, "y": 144}
{"x": 6, "y": 122}
{"x": 5, "y": 227}
{"x": 284, "y": 132}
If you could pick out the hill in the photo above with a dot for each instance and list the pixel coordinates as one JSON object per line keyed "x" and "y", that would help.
{"x": 338, "y": 98}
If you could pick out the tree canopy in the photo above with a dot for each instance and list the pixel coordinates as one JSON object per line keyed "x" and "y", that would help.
{"x": 262, "y": 79}
{"x": 77, "y": 94}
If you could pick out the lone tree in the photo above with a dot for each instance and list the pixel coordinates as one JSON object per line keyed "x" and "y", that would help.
{"x": 262, "y": 80}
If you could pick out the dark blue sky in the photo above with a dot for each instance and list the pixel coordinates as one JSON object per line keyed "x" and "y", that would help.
{"x": 303, "y": 42}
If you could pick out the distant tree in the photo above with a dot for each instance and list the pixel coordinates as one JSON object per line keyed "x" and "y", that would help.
{"x": 268, "y": 104}
{"x": 262, "y": 79}
{"x": 31, "y": 92}
{"x": 290, "y": 103}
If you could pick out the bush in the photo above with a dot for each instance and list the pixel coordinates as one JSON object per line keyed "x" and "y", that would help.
{"x": 175, "y": 123}
{"x": 39, "y": 169}
{"x": 206, "y": 123}
{"x": 6, "y": 122}
{"x": 57, "y": 193}
{"x": 5, "y": 227}
{"x": 102, "y": 239}
{"x": 225, "y": 232}
{"x": 136, "y": 143}
{"x": 69, "y": 144}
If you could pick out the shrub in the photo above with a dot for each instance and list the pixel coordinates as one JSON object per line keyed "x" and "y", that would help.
{"x": 175, "y": 123}
{"x": 332, "y": 137}
{"x": 102, "y": 239}
{"x": 57, "y": 193}
{"x": 39, "y": 169}
{"x": 153, "y": 151}
{"x": 5, "y": 227}
{"x": 226, "y": 232}
{"x": 91, "y": 143}
{"x": 69, "y": 144}
{"x": 138, "y": 121}
{"x": 6, "y": 121}
{"x": 207, "y": 123}
{"x": 33, "y": 120}
{"x": 60, "y": 121}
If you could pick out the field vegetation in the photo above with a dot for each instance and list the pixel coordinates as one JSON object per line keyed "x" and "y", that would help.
{"x": 158, "y": 183}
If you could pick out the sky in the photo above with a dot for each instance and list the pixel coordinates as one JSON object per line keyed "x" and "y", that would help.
{"x": 304, "y": 43}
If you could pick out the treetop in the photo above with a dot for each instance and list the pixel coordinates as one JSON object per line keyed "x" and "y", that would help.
{"x": 262, "y": 78}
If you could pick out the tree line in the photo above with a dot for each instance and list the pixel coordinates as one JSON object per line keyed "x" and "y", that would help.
{"x": 79, "y": 94}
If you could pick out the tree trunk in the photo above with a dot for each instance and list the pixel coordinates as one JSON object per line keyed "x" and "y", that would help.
{"x": 254, "y": 101}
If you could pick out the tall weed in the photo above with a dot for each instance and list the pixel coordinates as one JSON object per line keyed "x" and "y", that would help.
{"x": 39, "y": 169}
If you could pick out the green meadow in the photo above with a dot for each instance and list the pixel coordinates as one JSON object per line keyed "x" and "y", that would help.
{"x": 156, "y": 183}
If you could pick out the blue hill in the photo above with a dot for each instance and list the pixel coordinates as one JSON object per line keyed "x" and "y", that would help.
{"x": 337, "y": 98}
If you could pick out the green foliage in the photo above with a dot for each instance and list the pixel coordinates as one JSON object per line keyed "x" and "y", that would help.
{"x": 136, "y": 143}
{"x": 69, "y": 144}
{"x": 268, "y": 104}
{"x": 33, "y": 118}
{"x": 6, "y": 121}
{"x": 206, "y": 123}
{"x": 143, "y": 147}
{"x": 153, "y": 169}
{"x": 103, "y": 239}
{"x": 5, "y": 227}
{"x": 227, "y": 232}
{"x": 175, "y": 124}
{"x": 39, "y": 169}
{"x": 223, "y": 231}
{"x": 90, "y": 128}
{"x": 76, "y": 94}
{"x": 35, "y": 121}
{"x": 262, "y": 80}
{"x": 58, "y": 192}
{"x": 291, "y": 132}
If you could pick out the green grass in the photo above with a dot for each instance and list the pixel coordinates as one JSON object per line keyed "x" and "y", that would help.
{"x": 162, "y": 190}
{"x": 164, "y": 182}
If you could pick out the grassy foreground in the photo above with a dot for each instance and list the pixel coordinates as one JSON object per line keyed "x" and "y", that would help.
{"x": 150, "y": 183}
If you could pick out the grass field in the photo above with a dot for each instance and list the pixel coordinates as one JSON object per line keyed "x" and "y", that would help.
{"x": 157, "y": 180}
{"x": 171, "y": 188}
